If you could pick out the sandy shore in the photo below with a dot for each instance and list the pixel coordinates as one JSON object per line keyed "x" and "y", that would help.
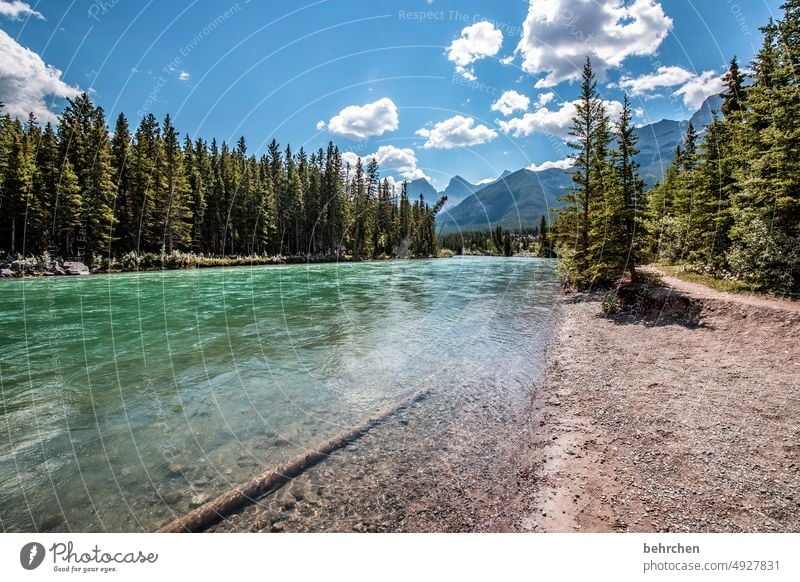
{"x": 681, "y": 419}
{"x": 655, "y": 424}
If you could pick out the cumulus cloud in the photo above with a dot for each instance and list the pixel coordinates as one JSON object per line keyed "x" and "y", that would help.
{"x": 694, "y": 88}
{"x": 700, "y": 88}
{"x": 564, "y": 164}
{"x": 363, "y": 121}
{"x": 559, "y": 34}
{"x": 16, "y": 10}
{"x": 25, "y": 81}
{"x": 477, "y": 41}
{"x": 511, "y": 101}
{"x": 663, "y": 77}
{"x": 545, "y": 98}
{"x": 552, "y": 122}
{"x": 401, "y": 160}
{"x": 184, "y": 76}
{"x": 458, "y": 131}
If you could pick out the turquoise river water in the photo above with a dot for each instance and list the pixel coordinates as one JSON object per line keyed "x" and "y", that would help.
{"x": 126, "y": 400}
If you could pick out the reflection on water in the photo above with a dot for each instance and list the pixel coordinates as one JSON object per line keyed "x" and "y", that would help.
{"x": 129, "y": 399}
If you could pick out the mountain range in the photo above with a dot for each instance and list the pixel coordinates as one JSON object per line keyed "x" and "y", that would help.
{"x": 519, "y": 199}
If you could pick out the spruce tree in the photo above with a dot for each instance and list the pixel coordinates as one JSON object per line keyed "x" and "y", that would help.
{"x": 584, "y": 134}
{"x": 124, "y": 206}
{"x": 631, "y": 188}
{"x": 175, "y": 199}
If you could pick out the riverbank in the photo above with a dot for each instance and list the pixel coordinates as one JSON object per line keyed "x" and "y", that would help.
{"x": 33, "y": 267}
{"x": 132, "y": 263}
{"x": 680, "y": 417}
{"x": 663, "y": 423}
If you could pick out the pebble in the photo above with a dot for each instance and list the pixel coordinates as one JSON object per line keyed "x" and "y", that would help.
{"x": 51, "y": 522}
{"x": 172, "y": 497}
{"x": 200, "y": 499}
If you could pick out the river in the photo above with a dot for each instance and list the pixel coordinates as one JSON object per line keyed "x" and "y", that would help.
{"x": 128, "y": 399}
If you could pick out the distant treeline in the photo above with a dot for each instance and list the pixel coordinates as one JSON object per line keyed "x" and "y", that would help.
{"x": 534, "y": 241}
{"x": 78, "y": 191}
{"x": 729, "y": 205}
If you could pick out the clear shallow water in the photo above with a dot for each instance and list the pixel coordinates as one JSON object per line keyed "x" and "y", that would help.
{"x": 128, "y": 399}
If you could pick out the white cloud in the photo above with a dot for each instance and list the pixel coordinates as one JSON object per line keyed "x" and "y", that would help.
{"x": 564, "y": 164}
{"x": 350, "y": 158}
{"x": 694, "y": 88}
{"x": 321, "y": 125}
{"x": 663, "y": 77}
{"x": 703, "y": 86}
{"x": 458, "y": 131}
{"x": 477, "y": 41}
{"x": 361, "y": 122}
{"x": 544, "y": 99}
{"x": 558, "y": 35}
{"x": 16, "y": 10}
{"x": 401, "y": 160}
{"x": 511, "y": 101}
{"x": 551, "y": 122}
{"x": 184, "y": 76}
{"x": 25, "y": 81}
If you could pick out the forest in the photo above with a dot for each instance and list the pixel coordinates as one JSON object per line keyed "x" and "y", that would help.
{"x": 81, "y": 191}
{"x": 729, "y": 204}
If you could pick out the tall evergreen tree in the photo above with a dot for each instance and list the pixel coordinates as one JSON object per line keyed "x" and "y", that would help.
{"x": 177, "y": 216}
{"x": 584, "y": 133}
{"x": 124, "y": 205}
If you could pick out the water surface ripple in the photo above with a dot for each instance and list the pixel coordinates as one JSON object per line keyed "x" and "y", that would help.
{"x": 129, "y": 399}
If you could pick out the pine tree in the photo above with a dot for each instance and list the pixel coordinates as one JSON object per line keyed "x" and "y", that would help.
{"x": 124, "y": 206}
{"x": 67, "y": 211}
{"x": 707, "y": 240}
{"x": 145, "y": 184}
{"x": 46, "y": 182}
{"x": 606, "y": 256}
{"x": 19, "y": 185}
{"x": 99, "y": 189}
{"x": 199, "y": 175}
{"x": 175, "y": 200}
{"x": 734, "y": 96}
{"x": 582, "y": 228}
{"x": 544, "y": 248}
{"x": 584, "y": 131}
{"x": 631, "y": 188}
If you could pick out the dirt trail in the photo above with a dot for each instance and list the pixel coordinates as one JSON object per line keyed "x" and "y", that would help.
{"x": 660, "y": 424}
{"x": 700, "y": 291}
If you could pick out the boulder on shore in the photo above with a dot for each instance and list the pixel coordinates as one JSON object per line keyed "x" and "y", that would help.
{"x": 75, "y": 268}
{"x": 6, "y": 273}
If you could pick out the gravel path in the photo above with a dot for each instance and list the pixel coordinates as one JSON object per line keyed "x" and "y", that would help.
{"x": 700, "y": 291}
{"x": 664, "y": 426}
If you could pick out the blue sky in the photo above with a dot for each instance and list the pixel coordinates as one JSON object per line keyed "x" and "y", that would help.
{"x": 431, "y": 87}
